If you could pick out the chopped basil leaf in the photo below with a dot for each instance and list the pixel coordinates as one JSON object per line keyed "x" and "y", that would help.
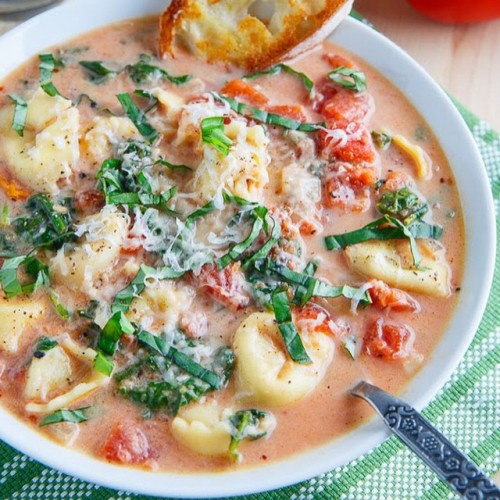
{"x": 212, "y": 133}
{"x": 143, "y": 70}
{"x": 355, "y": 80}
{"x": 138, "y": 117}
{"x": 75, "y": 416}
{"x": 103, "y": 365}
{"x": 4, "y": 215}
{"x": 269, "y": 118}
{"x": 44, "y": 226}
{"x": 9, "y": 279}
{"x": 246, "y": 424}
{"x": 403, "y": 205}
{"x": 264, "y": 250}
{"x": 275, "y": 70}
{"x": 172, "y": 166}
{"x": 48, "y": 64}
{"x": 124, "y": 298}
{"x": 201, "y": 212}
{"x": 97, "y": 71}
{"x": 417, "y": 258}
{"x": 291, "y": 337}
{"x": 115, "y": 327}
{"x": 45, "y": 344}
{"x": 381, "y": 230}
{"x": 381, "y": 139}
{"x": 180, "y": 359}
{"x": 59, "y": 306}
{"x": 350, "y": 346}
{"x": 20, "y": 114}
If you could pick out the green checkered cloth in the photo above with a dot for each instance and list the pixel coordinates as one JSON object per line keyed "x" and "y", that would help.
{"x": 467, "y": 411}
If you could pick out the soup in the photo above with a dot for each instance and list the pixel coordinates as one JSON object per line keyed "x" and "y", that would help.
{"x": 198, "y": 264}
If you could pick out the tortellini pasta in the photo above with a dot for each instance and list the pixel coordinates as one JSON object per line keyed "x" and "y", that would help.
{"x": 49, "y": 148}
{"x": 390, "y": 261}
{"x": 202, "y": 429}
{"x": 243, "y": 172}
{"x": 17, "y": 314}
{"x": 265, "y": 374}
{"x": 160, "y": 304}
{"x": 104, "y": 134}
{"x": 82, "y": 266}
{"x": 48, "y": 374}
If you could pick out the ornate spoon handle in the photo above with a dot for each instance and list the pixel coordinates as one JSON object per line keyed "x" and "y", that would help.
{"x": 429, "y": 444}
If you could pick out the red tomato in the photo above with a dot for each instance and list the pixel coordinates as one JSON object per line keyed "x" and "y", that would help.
{"x": 295, "y": 112}
{"x": 242, "y": 90}
{"x": 384, "y": 296}
{"x": 458, "y": 11}
{"x": 126, "y": 444}
{"x": 389, "y": 342}
{"x": 227, "y": 286}
{"x": 312, "y": 318}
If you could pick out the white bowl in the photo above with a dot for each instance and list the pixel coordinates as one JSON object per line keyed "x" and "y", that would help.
{"x": 79, "y": 16}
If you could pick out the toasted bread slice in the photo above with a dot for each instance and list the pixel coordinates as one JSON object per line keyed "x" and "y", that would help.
{"x": 252, "y": 34}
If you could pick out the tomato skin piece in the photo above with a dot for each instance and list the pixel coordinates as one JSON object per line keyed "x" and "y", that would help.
{"x": 395, "y": 181}
{"x": 227, "y": 286}
{"x": 126, "y": 444}
{"x": 89, "y": 202}
{"x": 386, "y": 297}
{"x": 390, "y": 342}
{"x": 293, "y": 111}
{"x": 458, "y": 11}
{"x": 238, "y": 89}
{"x": 312, "y": 318}
{"x": 345, "y": 106}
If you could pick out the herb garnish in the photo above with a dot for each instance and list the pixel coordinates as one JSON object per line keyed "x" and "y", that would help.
{"x": 75, "y": 416}
{"x": 403, "y": 205}
{"x": 97, "y": 71}
{"x": 355, "y": 80}
{"x": 20, "y": 114}
{"x": 103, "y": 365}
{"x": 212, "y": 133}
{"x": 138, "y": 117}
{"x": 381, "y": 139}
{"x": 48, "y": 64}
{"x": 44, "y": 344}
{"x": 143, "y": 70}
{"x": 291, "y": 337}
{"x": 263, "y": 116}
{"x": 60, "y": 308}
{"x": 276, "y": 70}
{"x": 9, "y": 279}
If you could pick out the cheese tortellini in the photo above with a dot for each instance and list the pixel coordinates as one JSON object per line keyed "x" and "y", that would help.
{"x": 82, "y": 266}
{"x": 49, "y": 147}
{"x": 17, "y": 314}
{"x": 243, "y": 172}
{"x": 203, "y": 429}
{"x": 48, "y": 374}
{"x": 390, "y": 261}
{"x": 160, "y": 304}
{"x": 105, "y": 133}
{"x": 265, "y": 374}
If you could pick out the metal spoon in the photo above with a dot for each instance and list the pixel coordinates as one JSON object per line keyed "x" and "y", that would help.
{"x": 430, "y": 445}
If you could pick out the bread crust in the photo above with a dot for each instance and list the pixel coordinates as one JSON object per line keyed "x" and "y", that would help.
{"x": 228, "y": 30}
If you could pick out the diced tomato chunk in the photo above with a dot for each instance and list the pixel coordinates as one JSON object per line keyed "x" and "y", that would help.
{"x": 313, "y": 318}
{"x": 388, "y": 341}
{"x": 336, "y": 60}
{"x": 295, "y": 112}
{"x": 227, "y": 286}
{"x": 126, "y": 444}
{"x": 89, "y": 202}
{"x": 345, "y": 106}
{"x": 243, "y": 91}
{"x": 347, "y": 187}
{"x": 12, "y": 189}
{"x": 395, "y": 181}
{"x": 384, "y": 296}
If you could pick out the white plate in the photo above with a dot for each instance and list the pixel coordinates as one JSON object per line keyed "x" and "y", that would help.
{"x": 79, "y": 16}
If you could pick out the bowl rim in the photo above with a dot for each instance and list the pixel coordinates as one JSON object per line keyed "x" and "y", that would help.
{"x": 447, "y": 124}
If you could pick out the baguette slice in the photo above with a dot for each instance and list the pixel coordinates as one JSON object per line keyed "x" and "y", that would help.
{"x": 252, "y": 34}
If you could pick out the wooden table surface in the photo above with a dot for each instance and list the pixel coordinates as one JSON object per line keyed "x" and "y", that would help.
{"x": 464, "y": 59}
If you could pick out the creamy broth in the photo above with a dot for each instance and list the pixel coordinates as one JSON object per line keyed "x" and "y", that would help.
{"x": 325, "y": 412}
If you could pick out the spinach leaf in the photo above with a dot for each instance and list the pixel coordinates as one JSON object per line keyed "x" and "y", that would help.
{"x": 247, "y": 424}
{"x": 9, "y": 279}
{"x": 403, "y": 205}
{"x": 138, "y": 117}
{"x": 115, "y": 327}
